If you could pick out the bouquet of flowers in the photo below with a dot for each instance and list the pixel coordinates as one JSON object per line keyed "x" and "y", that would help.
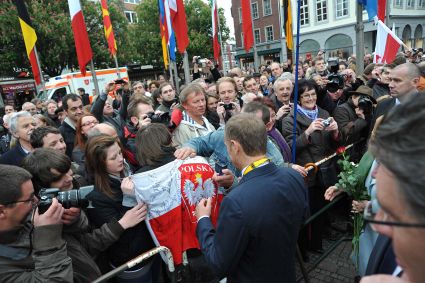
{"x": 349, "y": 182}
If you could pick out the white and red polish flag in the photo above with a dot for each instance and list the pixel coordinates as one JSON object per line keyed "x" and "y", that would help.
{"x": 387, "y": 44}
{"x": 214, "y": 19}
{"x": 81, "y": 38}
{"x": 171, "y": 193}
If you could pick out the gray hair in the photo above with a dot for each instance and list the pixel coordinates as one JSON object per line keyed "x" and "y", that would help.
{"x": 288, "y": 76}
{"x": 27, "y": 104}
{"x": 397, "y": 144}
{"x": 280, "y": 80}
{"x": 13, "y": 123}
{"x": 6, "y": 118}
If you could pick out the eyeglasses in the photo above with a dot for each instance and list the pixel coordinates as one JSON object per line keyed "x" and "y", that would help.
{"x": 369, "y": 215}
{"x": 309, "y": 95}
{"x": 138, "y": 87}
{"x": 31, "y": 199}
{"x": 88, "y": 123}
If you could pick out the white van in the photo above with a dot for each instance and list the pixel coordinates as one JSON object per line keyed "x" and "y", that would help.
{"x": 58, "y": 87}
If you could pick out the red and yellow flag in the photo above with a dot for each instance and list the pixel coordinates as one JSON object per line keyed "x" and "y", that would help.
{"x": 107, "y": 25}
{"x": 30, "y": 38}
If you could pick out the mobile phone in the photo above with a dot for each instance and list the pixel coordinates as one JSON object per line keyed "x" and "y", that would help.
{"x": 219, "y": 169}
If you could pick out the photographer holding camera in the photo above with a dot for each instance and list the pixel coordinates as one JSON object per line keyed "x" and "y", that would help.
{"x": 354, "y": 118}
{"x": 52, "y": 176}
{"x": 102, "y": 107}
{"x": 31, "y": 244}
{"x": 205, "y": 64}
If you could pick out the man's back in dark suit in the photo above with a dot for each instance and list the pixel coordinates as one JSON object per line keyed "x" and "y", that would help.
{"x": 257, "y": 228}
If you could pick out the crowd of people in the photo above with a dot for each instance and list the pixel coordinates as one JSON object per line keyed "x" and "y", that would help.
{"x": 245, "y": 126}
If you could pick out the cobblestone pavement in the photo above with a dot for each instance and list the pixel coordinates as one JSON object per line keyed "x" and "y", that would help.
{"x": 336, "y": 267}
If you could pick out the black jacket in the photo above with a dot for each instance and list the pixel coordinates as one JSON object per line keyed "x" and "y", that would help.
{"x": 14, "y": 156}
{"x": 68, "y": 134}
{"x": 134, "y": 241}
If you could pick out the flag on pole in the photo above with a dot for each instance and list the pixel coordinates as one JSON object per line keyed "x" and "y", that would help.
{"x": 178, "y": 18}
{"x": 81, "y": 38}
{"x": 375, "y": 8}
{"x": 287, "y": 23}
{"x": 171, "y": 39}
{"x": 172, "y": 192}
{"x": 30, "y": 38}
{"x": 248, "y": 36}
{"x": 387, "y": 45}
{"x": 164, "y": 33}
{"x": 107, "y": 26}
{"x": 215, "y": 29}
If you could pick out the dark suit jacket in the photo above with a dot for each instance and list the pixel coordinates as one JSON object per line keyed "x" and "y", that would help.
{"x": 68, "y": 134}
{"x": 257, "y": 227}
{"x": 14, "y": 156}
{"x": 382, "y": 258}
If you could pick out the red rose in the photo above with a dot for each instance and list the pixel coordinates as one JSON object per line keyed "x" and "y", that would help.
{"x": 340, "y": 150}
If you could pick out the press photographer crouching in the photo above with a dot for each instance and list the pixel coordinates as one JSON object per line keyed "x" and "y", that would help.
{"x": 31, "y": 244}
{"x": 53, "y": 179}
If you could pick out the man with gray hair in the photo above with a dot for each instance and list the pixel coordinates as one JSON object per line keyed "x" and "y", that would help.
{"x": 29, "y": 107}
{"x": 281, "y": 97}
{"x": 21, "y": 126}
{"x": 399, "y": 149}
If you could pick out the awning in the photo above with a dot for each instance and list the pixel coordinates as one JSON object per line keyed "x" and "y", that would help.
{"x": 245, "y": 55}
{"x": 269, "y": 51}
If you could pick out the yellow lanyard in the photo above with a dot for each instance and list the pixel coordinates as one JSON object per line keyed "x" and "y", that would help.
{"x": 255, "y": 164}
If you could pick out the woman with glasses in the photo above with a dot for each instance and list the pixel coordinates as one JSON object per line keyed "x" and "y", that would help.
{"x": 84, "y": 124}
{"x": 317, "y": 136}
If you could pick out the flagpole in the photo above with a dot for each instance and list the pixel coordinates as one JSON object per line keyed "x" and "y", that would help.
{"x": 297, "y": 58}
{"x": 359, "y": 39}
{"x": 93, "y": 74}
{"x": 186, "y": 67}
{"x": 255, "y": 46}
{"x": 221, "y": 41}
{"x": 116, "y": 66}
{"x": 176, "y": 77}
{"x": 43, "y": 83}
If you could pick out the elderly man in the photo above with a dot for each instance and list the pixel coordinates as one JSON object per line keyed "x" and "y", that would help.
{"x": 29, "y": 107}
{"x": 21, "y": 126}
{"x": 282, "y": 99}
{"x": 398, "y": 147}
{"x": 276, "y": 70}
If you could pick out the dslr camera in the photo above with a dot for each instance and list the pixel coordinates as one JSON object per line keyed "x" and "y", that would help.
{"x": 163, "y": 118}
{"x": 335, "y": 80}
{"x": 200, "y": 62}
{"x": 68, "y": 199}
{"x": 228, "y": 106}
{"x": 366, "y": 104}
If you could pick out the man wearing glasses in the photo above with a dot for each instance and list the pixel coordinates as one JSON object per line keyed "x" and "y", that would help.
{"x": 399, "y": 148}
{"x": 31, "y": 245}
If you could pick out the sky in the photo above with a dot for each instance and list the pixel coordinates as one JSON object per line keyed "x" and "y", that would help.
{"x": 226, "y": 5}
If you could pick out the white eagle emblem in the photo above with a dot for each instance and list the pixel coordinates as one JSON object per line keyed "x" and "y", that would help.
{"x": 202, "y": 190}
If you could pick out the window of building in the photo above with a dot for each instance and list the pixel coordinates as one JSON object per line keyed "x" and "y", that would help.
{"x": 240, "y": 15}
{"x": 269, "y": 33}
{"x": 254, "y": 10}
{"x": 132, "y": 1}
{"x": 257, "y": 36}
{"x": 398, "y": 3}
{"x": 341, "y": 8}
{"x": 322, "y": 10}
{"x": 410, "y": 4}
{"x": 131, "y": 16}
{"x": 242, "y": 39}
{"x": 421, "y": 4}
{"x": 304, "y": 18}
{"x": 267, "y": 7}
